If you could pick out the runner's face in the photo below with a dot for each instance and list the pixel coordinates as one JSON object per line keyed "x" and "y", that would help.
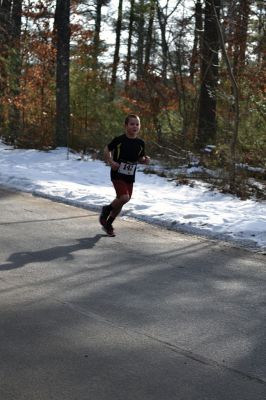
{"x": 133, "y": 127}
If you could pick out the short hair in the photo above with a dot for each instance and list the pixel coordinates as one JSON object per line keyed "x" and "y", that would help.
{"x": 130, "y": 116}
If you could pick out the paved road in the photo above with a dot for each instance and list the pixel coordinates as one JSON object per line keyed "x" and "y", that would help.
{"x": 147, "y": 315}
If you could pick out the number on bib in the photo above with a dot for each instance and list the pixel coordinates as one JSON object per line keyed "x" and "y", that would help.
{"x": 127, "y": 168}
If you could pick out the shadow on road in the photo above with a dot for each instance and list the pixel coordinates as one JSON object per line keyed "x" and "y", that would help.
{"x": 7, "y": 193}
{"x": 144, "y": 317}
{"x": 20, "y": 259}
{"x": 130, "y": 321}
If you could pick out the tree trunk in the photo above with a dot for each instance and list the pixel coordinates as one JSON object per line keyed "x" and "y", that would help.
{"x": 117, "y": 48}
{"x": 240, "y": 35}
{"x": 129, "y": 41}
{"x": 163, "y": 22}
{"x": 197, "y": 44}
{"x": 5, "y": 24}
{"x": 209, "y": 75}
{"x": 96, "y": 38}
{"x": 140, "y": 44}
{"x": 15, "y": 70}
{"x": 62, "y": 26}
{"x": 235, "y": 92}
{"x": 261, "y": 46}
{"x": 5, "y": 27}
{"x": 149, "y": 39}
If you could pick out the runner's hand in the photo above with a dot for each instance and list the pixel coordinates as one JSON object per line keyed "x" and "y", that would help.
{"x": 114, "y": 165}
{"x": 145, "y": 160}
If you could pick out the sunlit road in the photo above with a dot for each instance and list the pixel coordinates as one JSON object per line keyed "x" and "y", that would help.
{"x": 147, "y": 315}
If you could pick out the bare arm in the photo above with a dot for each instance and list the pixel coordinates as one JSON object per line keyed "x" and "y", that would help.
{"x": 109, "y": 159}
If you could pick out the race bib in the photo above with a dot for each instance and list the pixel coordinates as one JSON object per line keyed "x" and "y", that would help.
{"x": 127, "y": 168}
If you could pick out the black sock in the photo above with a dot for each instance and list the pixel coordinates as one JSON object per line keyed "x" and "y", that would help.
{"x": 110, "y": 220}
{"x": 108, "y": 208}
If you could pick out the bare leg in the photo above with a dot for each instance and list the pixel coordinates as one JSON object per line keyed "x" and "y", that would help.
{"x": 117, "y": 205}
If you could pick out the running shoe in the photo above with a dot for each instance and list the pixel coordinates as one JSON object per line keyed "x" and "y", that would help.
{"x": 109, "y": 230}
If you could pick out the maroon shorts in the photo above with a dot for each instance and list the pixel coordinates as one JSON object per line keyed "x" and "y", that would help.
{"x": 122, "y": 187}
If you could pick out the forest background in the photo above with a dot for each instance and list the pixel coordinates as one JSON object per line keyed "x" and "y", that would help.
{"x": 193, "y": 70}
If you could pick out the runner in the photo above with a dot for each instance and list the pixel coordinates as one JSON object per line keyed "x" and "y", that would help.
{"x": 123, "y": 154}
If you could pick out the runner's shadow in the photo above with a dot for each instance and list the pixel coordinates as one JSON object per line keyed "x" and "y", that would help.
{"x": 20, "y": 259}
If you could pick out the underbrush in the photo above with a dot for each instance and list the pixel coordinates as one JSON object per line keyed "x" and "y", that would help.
{"x": 249, "y": 182}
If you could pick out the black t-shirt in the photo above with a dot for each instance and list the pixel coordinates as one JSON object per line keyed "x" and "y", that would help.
{"x": 126, "y": 152}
